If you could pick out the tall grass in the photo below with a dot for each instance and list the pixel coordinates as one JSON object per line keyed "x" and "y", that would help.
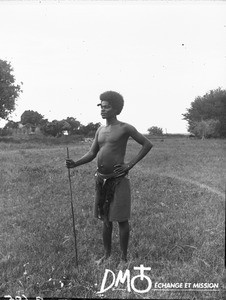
{"x": 177, "y": 224}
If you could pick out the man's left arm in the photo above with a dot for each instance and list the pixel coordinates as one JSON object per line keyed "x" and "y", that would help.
{"x": 146, "y": 147}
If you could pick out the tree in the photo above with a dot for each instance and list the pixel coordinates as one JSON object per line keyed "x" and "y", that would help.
{"x": 11, "y": 125}
{"x": 74, "y": 125}
{"x": 9, "y": 91}
{"x": 212, "y": 106}
{"x": 154, "y": 130}
{"x": 55, "y": 128}
{"x": 31, "y": 117}
{"x": 50, "y": 128}
{"x": 89, "y": 129}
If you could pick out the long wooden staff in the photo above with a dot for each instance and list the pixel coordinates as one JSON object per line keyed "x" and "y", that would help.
{"x": 72, "y": 210}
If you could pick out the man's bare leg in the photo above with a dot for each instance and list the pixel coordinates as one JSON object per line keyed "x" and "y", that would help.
{"x": 107, "y": 234}
{"x": 124, "y": 239}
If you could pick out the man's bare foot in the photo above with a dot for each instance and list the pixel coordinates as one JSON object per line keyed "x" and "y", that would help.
{"x": 122, "y": 264}
{"x": 102, "y": 259}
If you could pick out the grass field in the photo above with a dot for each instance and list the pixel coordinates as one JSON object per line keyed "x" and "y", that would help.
{"x": 177, "y": 223}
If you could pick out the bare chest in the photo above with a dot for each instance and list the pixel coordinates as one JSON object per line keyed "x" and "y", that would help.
{"x": 114, "y": 134}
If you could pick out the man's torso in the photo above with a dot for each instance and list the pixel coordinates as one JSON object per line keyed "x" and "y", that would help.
{"x": 112, "y": 141}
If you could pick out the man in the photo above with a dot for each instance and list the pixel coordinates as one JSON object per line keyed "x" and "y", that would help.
{"x": 113, "y": 202}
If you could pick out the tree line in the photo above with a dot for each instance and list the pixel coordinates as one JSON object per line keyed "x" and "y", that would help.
{"x": 56, "y": 128}
{"x": 206, "y": 116}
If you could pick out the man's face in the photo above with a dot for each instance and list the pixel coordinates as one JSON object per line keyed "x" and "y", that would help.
{"x": 107, "y": 111}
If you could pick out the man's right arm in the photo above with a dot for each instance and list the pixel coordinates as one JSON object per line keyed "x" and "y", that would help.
{"x": 89, "y": 156}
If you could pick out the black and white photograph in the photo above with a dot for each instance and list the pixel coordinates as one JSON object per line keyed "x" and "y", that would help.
{"x": 112, "y": 149}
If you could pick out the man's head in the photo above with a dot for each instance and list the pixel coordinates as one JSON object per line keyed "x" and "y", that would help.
{"x": 114, "y": 99}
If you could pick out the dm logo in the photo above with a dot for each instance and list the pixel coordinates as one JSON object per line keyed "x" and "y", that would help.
{"x": 126, "y": 278}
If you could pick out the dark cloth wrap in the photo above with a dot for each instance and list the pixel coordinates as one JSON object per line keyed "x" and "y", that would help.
{"x": 106, "y": 190}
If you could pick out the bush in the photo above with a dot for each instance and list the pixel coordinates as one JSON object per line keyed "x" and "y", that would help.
{"x": 154, "y": 130}
{"x": 5, "y": 132}
{"x": 207, "y": 129}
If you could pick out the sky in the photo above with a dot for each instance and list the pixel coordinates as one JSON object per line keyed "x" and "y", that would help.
{"x": 159, "y": 55}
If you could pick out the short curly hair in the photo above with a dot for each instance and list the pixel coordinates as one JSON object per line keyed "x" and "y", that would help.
{"x": 115, "y": 100}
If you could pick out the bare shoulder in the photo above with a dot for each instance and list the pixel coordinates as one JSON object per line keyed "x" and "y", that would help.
{"x": 136, "y": 135}
{"x": 129, "y": 128}
{"x": 99, "y": 129}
